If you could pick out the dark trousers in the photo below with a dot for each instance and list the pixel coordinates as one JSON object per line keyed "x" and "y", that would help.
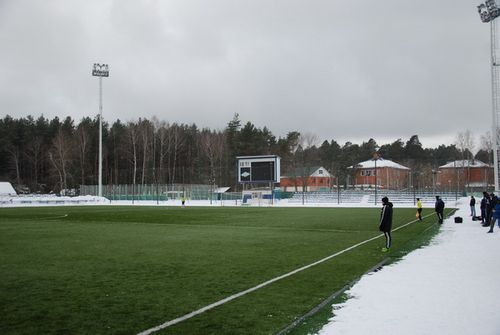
{"x": 388, "y": 239}
{"x": 419, "y": 211}
{"x": 488, "y": 217}
{"x": 492, "y": 224}
{"x": 440, "y": 216}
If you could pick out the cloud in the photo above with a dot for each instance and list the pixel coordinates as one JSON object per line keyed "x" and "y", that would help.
{"x": 343, "y": 70}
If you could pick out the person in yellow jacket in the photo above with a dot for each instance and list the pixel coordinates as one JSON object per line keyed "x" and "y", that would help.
{"x": 419, "y": 209}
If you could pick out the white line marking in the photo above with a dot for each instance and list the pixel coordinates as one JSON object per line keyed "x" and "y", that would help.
{"x": 53, "y": 217}
{"x": 255, "y": 288}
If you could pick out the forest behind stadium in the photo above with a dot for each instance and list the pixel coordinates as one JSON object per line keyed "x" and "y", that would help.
{"x": 42, "y": 155}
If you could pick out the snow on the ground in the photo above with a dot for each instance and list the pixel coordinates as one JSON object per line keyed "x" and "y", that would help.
{"x": 6, "y": 189}
{"x": 451, "y": 286}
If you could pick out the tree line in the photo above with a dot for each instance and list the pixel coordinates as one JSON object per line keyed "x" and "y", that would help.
{"x": 42, "y": 155}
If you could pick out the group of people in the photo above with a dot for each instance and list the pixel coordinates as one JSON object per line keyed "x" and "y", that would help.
{"x": 490, "y": 210}
{"x": 490, "y": 213}
{"x": 385, "y": 225}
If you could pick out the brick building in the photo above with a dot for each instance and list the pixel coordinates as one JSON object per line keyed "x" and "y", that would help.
{"x": 462, "y": 174}
{"x": 390, "y": 175}
{"x": 319, "y": 179}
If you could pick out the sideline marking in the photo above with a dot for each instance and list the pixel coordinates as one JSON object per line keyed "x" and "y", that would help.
{"x": 52, "y": 217}
{"x": 47, "y": 218}
{"x": 255, "y": 288}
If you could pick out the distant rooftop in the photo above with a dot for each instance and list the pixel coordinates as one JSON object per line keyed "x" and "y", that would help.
{"x": 370, "y": 164}
{"x": 465, "y": 163}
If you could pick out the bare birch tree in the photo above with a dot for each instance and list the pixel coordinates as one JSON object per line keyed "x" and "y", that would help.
{"x": 176, "y": 142}
{"x": 60, "y": 156}
{"x": 306, "y": 161}
{"x": 145, "y": 133}
{"x": 132, "y": 135}
{"x": 213, "y": 145}
{"x": 487, "y": 142}
{"x": 163, "y": 147}
{"x": 82, "y": 142}
{"x": 15, "y": 154}
{"x": 465, "y": 143}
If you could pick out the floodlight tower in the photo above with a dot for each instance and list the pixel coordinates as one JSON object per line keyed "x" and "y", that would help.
{"x": 488, "y": 12}
{"x": 376, "y": 157}
{"x": 100, "y": 70}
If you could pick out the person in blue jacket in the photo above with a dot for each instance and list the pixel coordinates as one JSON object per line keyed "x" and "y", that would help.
{"x": 495, "y": 213}
{"x": 386, "y": 222}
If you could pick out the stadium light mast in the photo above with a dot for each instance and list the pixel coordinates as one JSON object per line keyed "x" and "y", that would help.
{"x": 488, "y": 12}
{"x": 376, "y": 157}
{"x": 100, "y": 70}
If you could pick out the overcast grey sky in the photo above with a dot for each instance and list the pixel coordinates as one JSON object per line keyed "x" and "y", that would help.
{"x": 343, "y": 70}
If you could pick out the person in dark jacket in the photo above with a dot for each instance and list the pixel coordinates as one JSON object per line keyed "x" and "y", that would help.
{"x": 489, "y": 209}
{"x": 482, "y": 206}
{"x": 472, "y": 204}
{"x": 495, "y": 213}
{"x": 386, "y": 222}
{"x": 439, "y": 208}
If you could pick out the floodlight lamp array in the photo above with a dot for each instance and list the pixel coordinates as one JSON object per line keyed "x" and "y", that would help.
{"x": 488, "y": 11}
{"x": 100, "y": 70}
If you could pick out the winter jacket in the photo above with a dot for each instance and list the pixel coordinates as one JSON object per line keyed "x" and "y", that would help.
{"x": 439, "y": 207}
{"x": 386, "y": 217}
{"x": 496, "y": 211}
{"x": 483, "y": 203}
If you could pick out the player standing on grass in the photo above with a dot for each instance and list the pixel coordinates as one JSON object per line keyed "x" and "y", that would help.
{"x": 386, "y": 222}
{"x": 419, "y": 209}
{"x": 439, "y": 208}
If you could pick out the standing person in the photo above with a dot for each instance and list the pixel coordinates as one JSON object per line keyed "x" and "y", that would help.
{"x": 183, "y": 200}
{"x": 495, "y": 213}
{"x": 482, "y": 206}
{"x": 386, "y": 222}
{"x": 419, "y": 209}
{"x": 472, "y": 204}
{"x": 489, "y": 209}
{"x": 439, "y": 208}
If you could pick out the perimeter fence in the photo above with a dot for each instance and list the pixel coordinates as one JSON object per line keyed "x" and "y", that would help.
{"x": 163, "y": 192}
{"x": 160, "y": 192}
{"x": 369, "y": 197}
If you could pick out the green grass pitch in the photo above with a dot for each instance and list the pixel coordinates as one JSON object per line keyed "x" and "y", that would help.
{"x": 122, "y": 270}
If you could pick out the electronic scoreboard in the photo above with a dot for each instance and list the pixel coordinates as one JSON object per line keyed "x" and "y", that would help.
{"x": 258, "y": 169}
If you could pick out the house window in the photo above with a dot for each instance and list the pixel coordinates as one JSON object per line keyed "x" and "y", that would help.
{"x": 320, "y": 171}
{"x": 367, "y": 173}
